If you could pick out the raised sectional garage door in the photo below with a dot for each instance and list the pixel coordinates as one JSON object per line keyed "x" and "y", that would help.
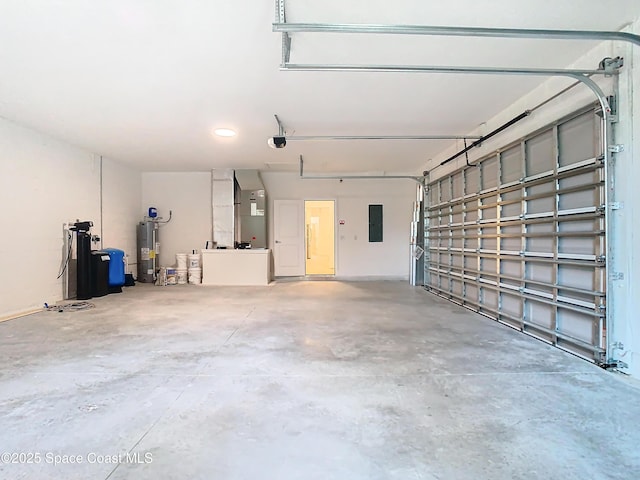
{"x": 521, "y": 236}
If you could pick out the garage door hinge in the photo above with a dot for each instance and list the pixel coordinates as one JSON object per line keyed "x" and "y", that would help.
{"x": 611, "y": 363}
{"x": 618, "y": 148}
{"x": 616, "y": 276}
{"x": 601, "y": 259}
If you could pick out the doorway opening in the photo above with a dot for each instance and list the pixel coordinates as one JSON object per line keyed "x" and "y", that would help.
{"x": 319, "y": 220}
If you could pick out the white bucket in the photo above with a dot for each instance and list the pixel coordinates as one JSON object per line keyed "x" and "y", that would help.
{"x": 195, "y": 276}
{"x": 194, "y": 260}
{"x": 181, "y": 261}
{"x": 181, "y": 275}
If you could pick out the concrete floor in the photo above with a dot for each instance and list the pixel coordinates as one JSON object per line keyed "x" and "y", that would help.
{"x": 302, "y": 380}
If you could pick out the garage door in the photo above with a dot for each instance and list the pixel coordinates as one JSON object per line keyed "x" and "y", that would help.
{"x": 521, "y": 236}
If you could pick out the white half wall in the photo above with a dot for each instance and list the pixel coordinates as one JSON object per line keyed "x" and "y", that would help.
{"x": 355, "y": 256}
{"x": 188, "y": 196}
{"x": 43, "y": 184}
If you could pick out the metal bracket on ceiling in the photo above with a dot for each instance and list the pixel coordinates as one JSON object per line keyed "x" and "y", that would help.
{"x": 286, "y": 38}
{"x": 280, "y": 127}
{"x": 610, "y": 66}
{"x": 420, "y": 180}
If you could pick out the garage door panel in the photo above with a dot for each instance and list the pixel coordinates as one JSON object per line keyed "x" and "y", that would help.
{"x": 584, "y": 226}
{"x": 577, "y": 325}
{"x": 472, "y": 178}
{"x": 514, "y": 206}
{"x": 489, "y": 299}
{"x": 540, "y": 272}
{"x": 571, "y": 246}
{"x": 577, "y": 139}
{"x": 544, "y": 240}
{"x": 541, "y": 314}
{"x": 471, "y": 262}
{"x": 511, "y": 268}
{"x": 456, "y": 287}
{"x": 489, "y": 208}
{"x": 445, "y": 189}
{"x": 471, "y": 293}
{"x": 529, "y": 252}
{"x": 470, "y": 238}
{"x": 511, "y": 304}
{"x": 512, "y": 241}
{"x": 457, "y": 185}
{"x": 471, "y": 211}
{"x": 577, "y": 277}
{"x": 511, "y": 168}
{"x": 434, "y": 194}
{"x": 585, "y": 199}
{"x": 587, "y": 195}
{"x": 545, "y": 201}
{"x": 540, "y": 156}
{"x": 489, "y": 173}
{"x": 538, "y": 290}
{"x": 489, "y": 240}
{"x": 444, "y": 217}
{"x": 488, "y": 265}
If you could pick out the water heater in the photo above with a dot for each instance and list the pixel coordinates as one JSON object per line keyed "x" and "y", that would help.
{"x": 148, "y": 246}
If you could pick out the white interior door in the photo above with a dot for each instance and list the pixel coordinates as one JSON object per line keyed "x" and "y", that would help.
{"x": 288, "y": 233}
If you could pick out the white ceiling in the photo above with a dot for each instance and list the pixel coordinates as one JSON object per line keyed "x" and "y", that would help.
{"x": 145, "y": 82}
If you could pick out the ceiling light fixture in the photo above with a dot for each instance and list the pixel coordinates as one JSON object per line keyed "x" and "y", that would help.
{"x": 224, "y": 132}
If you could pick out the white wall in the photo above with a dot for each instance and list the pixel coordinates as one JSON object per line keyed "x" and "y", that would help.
{"x": 121, "y": 209}
{"x": 188, "y": 196}
{"x": 43, "y": 184}
{"x": 626, "y": 235}
{"x": 355, "y": 256}
{"x": 623, "y": 302}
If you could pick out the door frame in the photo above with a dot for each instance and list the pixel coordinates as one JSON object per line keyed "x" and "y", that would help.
{"x": 335, "y": 236}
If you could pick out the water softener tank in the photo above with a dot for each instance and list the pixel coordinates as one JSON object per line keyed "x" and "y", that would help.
{"x": 147, "y": 250}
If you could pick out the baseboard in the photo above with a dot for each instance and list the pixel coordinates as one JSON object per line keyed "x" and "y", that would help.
{"x": 372, "y": 278}
{"x": 24, "y": 313}
{"x": 344, "y": 278}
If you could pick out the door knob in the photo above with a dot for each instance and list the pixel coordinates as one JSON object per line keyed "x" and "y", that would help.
{"x": 278, "y": 241}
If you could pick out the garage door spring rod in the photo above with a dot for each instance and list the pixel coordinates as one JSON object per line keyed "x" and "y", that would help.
{"x": 511, "y": 122}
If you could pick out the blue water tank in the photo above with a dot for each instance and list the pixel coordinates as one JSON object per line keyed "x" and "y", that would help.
{"x": 116, "y": 266}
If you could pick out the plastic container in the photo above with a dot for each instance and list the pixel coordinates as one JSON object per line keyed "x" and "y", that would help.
{"x": 181, "y": 276}
{"x": 99, "y": 273}
{"x": 195, "y": 276}
{"x": 194, "y": 260}
{"x": 181, "y": 261}
{"x": 116, "y": 267}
